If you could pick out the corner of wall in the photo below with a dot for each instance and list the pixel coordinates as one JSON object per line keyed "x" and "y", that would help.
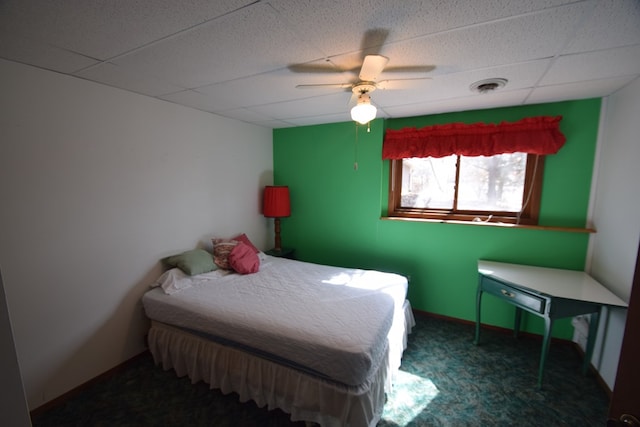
{"x": 594, "y": 183}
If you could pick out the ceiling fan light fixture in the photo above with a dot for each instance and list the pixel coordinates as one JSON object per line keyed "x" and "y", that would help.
{"x": 364, "y": 112}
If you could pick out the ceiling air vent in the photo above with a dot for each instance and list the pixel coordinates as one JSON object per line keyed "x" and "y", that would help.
{"x": 488, "y": 85}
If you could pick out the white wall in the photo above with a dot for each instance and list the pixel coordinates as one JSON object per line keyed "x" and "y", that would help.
{"x": 616, "y": 217}
{"x": 96, "y": 185}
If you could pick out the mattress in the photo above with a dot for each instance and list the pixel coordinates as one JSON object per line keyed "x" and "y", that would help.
{"x": 328, "y": 321}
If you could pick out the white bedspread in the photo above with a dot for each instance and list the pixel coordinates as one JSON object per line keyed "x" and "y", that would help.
{"x": 333, "y": 321}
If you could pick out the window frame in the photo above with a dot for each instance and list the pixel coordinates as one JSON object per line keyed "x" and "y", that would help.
{"x": 528, "y": 216}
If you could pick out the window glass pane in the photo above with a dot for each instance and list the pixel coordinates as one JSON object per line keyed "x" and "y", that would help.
{"x": 493, "y": 183}
{"x": 428, "y": 182}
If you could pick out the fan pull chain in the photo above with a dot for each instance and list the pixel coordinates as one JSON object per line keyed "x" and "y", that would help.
{"x": 355, "y": 151}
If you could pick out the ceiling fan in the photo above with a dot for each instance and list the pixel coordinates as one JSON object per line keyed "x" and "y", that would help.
{"x": 372, "y": 67}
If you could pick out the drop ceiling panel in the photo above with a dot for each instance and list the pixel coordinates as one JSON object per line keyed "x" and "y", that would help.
{"x": 608, "y": 27}
{"x": 35, "y": 52}
{"x": 195, "y": 99}
{"x": 578, "y": 90}
{"x": 222, "y": 50}
{"x": 103, "y": 29}
{"x": 312, "y": 18}
{"x": 320, "y": 119}
{"x": 272, "y": 124}
{"x": 507, "y": 41}
{"x": 271, "y": 87}
{"x": 594, "y": 65}
{"x": 247, "y": 115}
{"x": 412, "y": 19}
{"x": 474, "y": 102}
{"x": 322, "y": 105}
{"x": 127, "y": 78}
{"x": 457, "y": 85}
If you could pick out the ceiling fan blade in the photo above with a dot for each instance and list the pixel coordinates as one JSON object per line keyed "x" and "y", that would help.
{"x": 400, "y": 83}
{"x": 410, "y": 69}
{"x": 326, "y": 86}
{"x": 372, "y": 67}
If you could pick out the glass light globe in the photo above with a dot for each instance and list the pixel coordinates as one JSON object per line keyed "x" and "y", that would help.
{"x": 364, "y": 112}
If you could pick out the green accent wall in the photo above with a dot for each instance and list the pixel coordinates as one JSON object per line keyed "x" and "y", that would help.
{"x": 337, "y": 210}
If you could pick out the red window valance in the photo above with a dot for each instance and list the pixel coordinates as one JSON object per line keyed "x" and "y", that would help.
{"x": 533, "y": 135}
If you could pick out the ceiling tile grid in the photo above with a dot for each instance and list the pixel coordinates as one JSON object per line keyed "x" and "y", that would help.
{"x": 105, "y": 29}
{"x": 245, "y": 59}
{"x": 610, "y": 24}
{"x": 128, "y": 79}
{"x": 615, "y": 62}
{"x": 35, "y": 52}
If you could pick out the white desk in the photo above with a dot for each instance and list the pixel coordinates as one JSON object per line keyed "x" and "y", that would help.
{"x": 550, "y": 293}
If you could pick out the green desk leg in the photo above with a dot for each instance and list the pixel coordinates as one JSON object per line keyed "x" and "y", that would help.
{"x": 476, "y": 341}
{"x": 548, "y": 325}
{"x": 516, "y": 323}
{"x": 591, "y": 340}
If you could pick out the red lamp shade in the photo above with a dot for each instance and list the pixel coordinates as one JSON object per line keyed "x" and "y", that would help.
{"x": 276, "y": 202}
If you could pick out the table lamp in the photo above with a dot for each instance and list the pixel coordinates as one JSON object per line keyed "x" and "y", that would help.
{"x": 276, "y": 205}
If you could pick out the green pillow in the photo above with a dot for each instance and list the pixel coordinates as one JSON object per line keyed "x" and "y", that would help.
{"x": 195, "y": 261}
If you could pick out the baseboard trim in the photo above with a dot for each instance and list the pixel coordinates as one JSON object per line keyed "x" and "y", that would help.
{"x": 594, "y": 371}
{"x": 500, "y": 329}
{"x": 79, "y": 389}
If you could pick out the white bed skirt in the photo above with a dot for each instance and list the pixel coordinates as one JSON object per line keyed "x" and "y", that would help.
{"x": 269, "y": 384}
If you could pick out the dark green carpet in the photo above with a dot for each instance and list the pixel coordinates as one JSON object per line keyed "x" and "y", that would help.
{"x": 444, "y": 381}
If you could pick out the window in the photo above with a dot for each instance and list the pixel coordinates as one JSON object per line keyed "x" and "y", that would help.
{"x": 471, "y": 172}
{"x": 500, "y": 188}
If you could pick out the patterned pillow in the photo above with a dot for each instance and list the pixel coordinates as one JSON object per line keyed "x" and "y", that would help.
{"x": 243, "y": 259}
{"x": 221, "y": 250}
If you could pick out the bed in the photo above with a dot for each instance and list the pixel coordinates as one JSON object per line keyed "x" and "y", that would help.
{"x": 321, "y": 343}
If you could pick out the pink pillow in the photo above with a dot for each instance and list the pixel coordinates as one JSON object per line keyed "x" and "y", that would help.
{"x": 244, "y": 239}
{"x": 243, "y": 259}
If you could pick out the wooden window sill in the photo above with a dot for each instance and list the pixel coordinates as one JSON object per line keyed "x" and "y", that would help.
{"x": 495, "y": 224}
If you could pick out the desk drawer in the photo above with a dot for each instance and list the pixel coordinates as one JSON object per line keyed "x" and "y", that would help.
{"x": 514, "y": 295}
